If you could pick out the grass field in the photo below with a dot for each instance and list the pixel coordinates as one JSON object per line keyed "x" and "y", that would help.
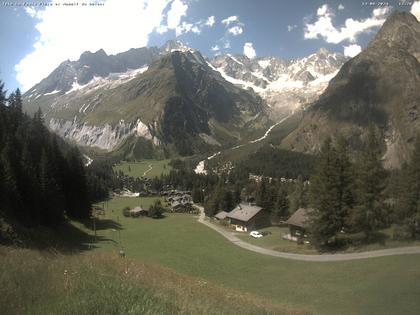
{"x": 34, "y": 282}
{"x": 147, "y": 168}
{"x": 388, "y": 285}
{"x": 275, "y": 242}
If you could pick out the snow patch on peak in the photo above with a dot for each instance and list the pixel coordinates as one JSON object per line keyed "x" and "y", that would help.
{"x": 234, "y": 59}
{"x": 264, "y": 63}
{"x": 53, "y": 92}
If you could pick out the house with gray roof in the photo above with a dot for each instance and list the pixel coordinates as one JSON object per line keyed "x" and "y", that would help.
{"x": 299, "y": 222}
{"x": 247, "y": 217}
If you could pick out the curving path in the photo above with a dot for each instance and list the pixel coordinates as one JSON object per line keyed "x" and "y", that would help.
{"x": 320, "y": 258}
{"x": 148, "y": 170}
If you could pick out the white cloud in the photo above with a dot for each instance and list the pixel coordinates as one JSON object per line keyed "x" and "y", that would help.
{"x": 186, "y": 28}
{"x": 30, "y": 11}
{"x": 66, "y": 32}
{"x": 175, "y": 14}
{"x": 249, "y": 51}
{"x": 291, "y": 27}
{"x": 340, "y": 7}
{"x": 215, "y": 48}
{"x": 415, "y": 9}
{"x": 229, "y": 20}
{"x": 235, "y": 30}
{"x": 352, "y": 50}
{"x": 177, "y": 11}
{"x": 323, "y": 27}
{"x": 226, "y": 44}
{"x": 210, "y": 21}
{"x": 323, "y": 10}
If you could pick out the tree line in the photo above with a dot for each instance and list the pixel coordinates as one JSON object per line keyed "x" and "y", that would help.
{"x": 357, "y": 195}
{"x": 42, "y": 179}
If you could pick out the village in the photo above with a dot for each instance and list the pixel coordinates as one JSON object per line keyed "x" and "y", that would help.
{"x": 246, "y": 217}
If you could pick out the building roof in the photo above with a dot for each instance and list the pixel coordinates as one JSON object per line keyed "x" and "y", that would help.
{"x": 244, "y": 212}
{"x": 137, "y": 210}
{"x": 300, "y": 218}
{"x": 221, "y": 215}
{"x": 175, "y": 204}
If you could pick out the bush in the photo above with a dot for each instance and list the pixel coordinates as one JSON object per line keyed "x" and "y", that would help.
{"x": 126, "y": 212}
{"x": 401, "y": 233}
{"x": 354, "y": 239}
{"x": 156, "y": 210}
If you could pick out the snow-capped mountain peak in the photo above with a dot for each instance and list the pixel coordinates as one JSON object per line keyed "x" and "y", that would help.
{"x": 285, "y": 84}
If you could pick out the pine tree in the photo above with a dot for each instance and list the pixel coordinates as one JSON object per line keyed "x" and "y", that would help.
{"x": 281, "y": 207}
{"x": 368, "y": 215}
{"x": 410, "y": 199}
{"x": 299, "y": 196}
{"x": 51, "y": 195}
{"x": 345, "y": 181}
{"x": 76, "y": 190}
{"x": 326, "y": 217}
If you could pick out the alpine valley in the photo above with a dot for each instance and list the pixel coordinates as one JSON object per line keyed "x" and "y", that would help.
{"x": 167, "y": 101}
{"x": 173, "y": 100}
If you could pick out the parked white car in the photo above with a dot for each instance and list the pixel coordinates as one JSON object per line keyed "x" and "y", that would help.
{"x": 256, "y": 234}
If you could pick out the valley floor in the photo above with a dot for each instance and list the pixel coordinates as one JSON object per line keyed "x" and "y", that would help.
{"x": 384, "y": 285}
{"x": 245, "y": 241}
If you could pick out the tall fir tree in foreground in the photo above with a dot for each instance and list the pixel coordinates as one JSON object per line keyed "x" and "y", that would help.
{"x": 331, "y": 193}
{"x": 410, "y": 198}
{"x": 370, "y": 212}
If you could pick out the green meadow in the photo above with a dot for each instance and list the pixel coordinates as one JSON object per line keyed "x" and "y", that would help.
{"x": 388, "y": 285}
{"x": 147, "y": 168}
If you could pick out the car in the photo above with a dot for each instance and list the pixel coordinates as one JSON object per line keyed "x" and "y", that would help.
{"x": 265, "y": 233}
{"x": 256, "y": 234}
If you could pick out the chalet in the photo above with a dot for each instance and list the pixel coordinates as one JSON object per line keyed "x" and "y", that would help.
{"x": 247, "y": 217}
{"x": 176, "y": 205}
{"x": 138, "y": 211}
{"x": 221, "y": 215}
{"x": 299, "y": 222}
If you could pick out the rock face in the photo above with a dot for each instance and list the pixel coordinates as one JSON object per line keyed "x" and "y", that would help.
{"x": 177, "y": 101}
{"x": 381, "y": 85}
{"x": 286, "y": 85}
{"x": 106, "y": 137}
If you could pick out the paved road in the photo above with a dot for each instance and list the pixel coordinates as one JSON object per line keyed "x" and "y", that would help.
{"x": 320, "y": 258}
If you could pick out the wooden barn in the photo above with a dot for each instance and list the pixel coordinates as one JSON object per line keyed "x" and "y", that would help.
{"x": 299, "y": 222}
{"x": 247, "y": 217}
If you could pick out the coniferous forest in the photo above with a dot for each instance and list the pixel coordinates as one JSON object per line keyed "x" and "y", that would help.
{"x": 42, "y": 179}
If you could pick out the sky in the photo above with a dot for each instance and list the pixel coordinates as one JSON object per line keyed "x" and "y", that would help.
{"x": 36, "y": 38}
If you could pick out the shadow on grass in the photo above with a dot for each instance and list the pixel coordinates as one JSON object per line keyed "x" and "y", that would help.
{"x": 65, "y": 238}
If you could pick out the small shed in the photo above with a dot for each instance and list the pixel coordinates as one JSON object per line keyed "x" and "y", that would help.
{"x": 138, "y": 211}
{"x": 221, "y": 215}
{"x": 299, "y": 222}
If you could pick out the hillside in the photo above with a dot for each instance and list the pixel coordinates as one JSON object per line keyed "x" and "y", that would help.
{"x": 106, "y": 284}
{"x": 380, "y": 86}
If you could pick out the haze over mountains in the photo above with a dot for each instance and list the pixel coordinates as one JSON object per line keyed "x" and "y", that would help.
{"x": 173, "y": 99}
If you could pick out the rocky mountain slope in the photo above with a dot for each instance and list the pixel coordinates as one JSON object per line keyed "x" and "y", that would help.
{"x": 178, "y": 102}
{"x": 286, "y": 85}
{"x": 381, "y": 85}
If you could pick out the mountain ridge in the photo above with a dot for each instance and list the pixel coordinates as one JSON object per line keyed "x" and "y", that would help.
{"x": 379, "y": 86}
{"x": 178, "y": 102}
